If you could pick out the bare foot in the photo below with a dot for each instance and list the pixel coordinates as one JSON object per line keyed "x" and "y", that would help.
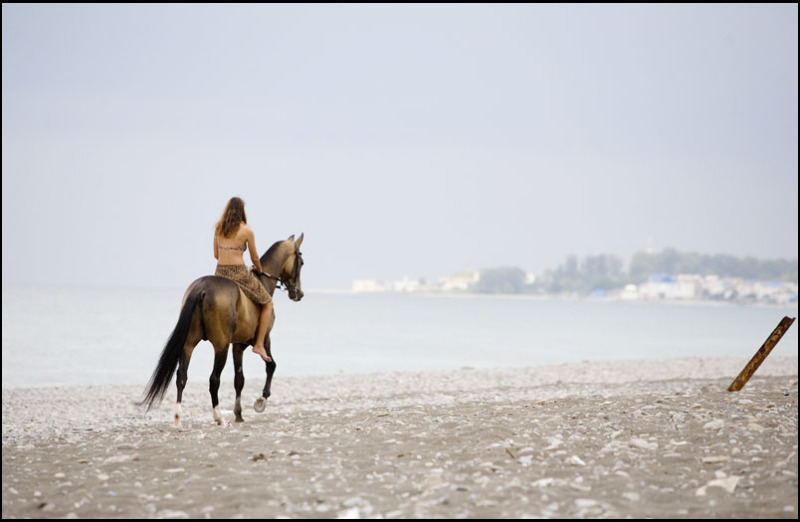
{"x": 260, "y": 350}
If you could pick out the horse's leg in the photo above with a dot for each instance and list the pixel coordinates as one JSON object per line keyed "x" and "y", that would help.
{"x": 220, "y": 358}
{"x": 181, "y": 376}
{"x": 271, "y": 365}
{"x": 261, "y": 402}
{"x": 238, "y": 379}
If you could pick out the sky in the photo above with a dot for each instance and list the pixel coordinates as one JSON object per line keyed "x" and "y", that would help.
{"x": 401, "y": 140}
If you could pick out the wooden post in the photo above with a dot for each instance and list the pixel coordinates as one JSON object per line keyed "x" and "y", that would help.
{"x": 751, "y": 367}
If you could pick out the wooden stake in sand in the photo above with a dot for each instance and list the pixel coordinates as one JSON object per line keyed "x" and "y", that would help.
{"x": 751, "y": 367}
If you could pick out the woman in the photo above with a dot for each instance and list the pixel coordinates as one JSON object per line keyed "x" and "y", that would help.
{"x": 232, "y": 236}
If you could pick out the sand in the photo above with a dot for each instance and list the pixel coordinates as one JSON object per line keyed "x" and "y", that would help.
{"x": 626, "y": 439}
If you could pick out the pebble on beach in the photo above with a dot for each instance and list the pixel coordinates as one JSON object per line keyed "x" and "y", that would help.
{"x": 649, "y": 438}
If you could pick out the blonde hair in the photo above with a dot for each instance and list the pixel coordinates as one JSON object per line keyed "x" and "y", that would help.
{"x": 232, "y": 217}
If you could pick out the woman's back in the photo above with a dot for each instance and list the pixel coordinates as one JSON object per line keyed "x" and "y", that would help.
{"x": 230, "y": 250}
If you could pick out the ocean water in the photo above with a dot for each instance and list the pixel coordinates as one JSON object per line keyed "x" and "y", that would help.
{"x": 63, "y": 336}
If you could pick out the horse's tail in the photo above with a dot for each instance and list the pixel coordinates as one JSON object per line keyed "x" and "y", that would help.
{"x": 173, "y": 350}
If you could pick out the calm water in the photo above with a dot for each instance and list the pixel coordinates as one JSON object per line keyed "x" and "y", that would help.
{"x": 99, "y": 336}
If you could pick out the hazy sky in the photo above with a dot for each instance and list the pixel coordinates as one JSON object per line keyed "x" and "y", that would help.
{"x": 403, "y": 140}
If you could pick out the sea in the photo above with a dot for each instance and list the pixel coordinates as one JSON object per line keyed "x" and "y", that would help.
{"x": 99, "y": 336}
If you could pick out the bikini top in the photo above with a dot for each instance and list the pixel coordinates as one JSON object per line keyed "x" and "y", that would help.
{"x": 240, "y": 249}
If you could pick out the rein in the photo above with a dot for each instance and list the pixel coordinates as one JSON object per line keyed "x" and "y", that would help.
{"x": 281, "y": 281}
{"x": 278, "y": 279}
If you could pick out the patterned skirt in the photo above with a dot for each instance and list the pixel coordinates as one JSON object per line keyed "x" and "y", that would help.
{"x": 247, "y": 281}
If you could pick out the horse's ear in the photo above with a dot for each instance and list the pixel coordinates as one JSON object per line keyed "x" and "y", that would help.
{"x": 299, "y": 241}
{"x": 291, "y": 238}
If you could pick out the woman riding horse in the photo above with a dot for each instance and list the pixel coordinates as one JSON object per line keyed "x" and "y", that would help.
{"x": 232, "y": 236}
{"x": 227, "y": 309}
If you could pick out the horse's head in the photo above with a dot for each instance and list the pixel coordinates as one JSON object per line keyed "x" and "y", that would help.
{"x": 290, "y": 271}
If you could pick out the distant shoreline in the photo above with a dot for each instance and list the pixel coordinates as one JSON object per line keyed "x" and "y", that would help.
{"x": 454, "y": 295}
{"x": 532, "y": 297}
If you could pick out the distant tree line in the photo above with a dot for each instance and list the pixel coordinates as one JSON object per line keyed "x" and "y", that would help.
{"x": 670, "y": 261}
{"x": 505, "y": 280}
{"x": 605, "y": 272}
{"x": 601, "y": 272}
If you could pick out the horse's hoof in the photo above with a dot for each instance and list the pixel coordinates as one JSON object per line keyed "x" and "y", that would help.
{"x": 260, "y": 405}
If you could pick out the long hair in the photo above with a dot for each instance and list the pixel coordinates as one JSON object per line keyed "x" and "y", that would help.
{"x": 232, "y": 217}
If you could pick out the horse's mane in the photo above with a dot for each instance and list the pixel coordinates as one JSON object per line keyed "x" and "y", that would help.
{"x": 271, "y": 250}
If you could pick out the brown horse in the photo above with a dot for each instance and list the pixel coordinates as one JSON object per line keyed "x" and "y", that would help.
{"x": 216, "y": 309}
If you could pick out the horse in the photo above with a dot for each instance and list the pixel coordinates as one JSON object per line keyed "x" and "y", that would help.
{"x": 215, "y": 309}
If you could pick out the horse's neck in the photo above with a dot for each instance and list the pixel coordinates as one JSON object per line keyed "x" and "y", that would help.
{"x": 272, "y": 263}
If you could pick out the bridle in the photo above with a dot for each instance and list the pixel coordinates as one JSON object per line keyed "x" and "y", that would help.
{"x": 289, "y": 284}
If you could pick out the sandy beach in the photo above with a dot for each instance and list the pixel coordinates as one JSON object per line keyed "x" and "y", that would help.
{"x": 626, "y": 439}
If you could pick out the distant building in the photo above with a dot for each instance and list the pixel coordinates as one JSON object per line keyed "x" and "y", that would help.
{"x": 662, "y": 286}
{"x": 368, "y": 286}
{"x": 460, "y": 282}
{"x": 406, "y": 285}
{"x": 776, "y": 292}
{"x": 629, "y": 293}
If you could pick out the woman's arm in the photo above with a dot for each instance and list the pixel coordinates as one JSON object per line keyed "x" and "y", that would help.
{"x": 216, "y": 248}
{"x": 251, "y": 245}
